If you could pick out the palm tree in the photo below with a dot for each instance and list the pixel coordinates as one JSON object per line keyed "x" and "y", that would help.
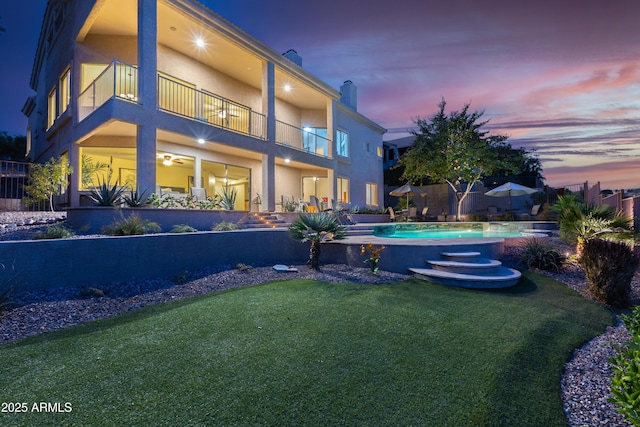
{"x": 316, "y": 228}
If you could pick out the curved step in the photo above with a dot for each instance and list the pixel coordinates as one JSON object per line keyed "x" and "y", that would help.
{"x": 504, "y": 278}
{"x": 480, "y": 266}
{"x": 461, "y": 256}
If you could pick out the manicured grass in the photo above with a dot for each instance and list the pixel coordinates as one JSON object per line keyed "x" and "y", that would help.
{"x": 313, "y": 354}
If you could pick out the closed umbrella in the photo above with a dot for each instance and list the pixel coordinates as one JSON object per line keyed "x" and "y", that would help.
{"x": 510, "y": 189}
{"x": 407, "y": 190}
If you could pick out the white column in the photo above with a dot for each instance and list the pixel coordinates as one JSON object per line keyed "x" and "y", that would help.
{"x": 268, "y": 159}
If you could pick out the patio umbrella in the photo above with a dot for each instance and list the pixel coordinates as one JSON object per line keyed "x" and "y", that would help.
{"x": 407, "y": 190}
{"x": 510, "y": 189}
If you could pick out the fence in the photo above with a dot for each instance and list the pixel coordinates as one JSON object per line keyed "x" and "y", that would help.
{"x": 13, "y": 178}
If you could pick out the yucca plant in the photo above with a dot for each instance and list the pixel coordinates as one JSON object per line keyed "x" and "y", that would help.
{"x": 137, "y": 198}
{"x": 106, "y": 194}
{"x": 316, "y": 228}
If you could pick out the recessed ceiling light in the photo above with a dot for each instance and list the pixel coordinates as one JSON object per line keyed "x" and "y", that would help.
{"x": 172, "y": 28}
{"x": 200, "y": 42}
{"x": 201, "y": 141}
{"x": 287, "y": 87}
{"x": 287, "y": 160}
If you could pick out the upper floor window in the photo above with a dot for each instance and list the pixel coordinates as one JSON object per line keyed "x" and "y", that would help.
{"x": 342, "y": 141}
{"x": 316, "y": 141}
{"x": 379, "y": 151}
{"x": 65, "y": 90}
{"x": 51, "y": 108}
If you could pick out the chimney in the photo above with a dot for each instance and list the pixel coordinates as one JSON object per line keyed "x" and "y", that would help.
{"x": 349, "y": 94}
{"x": 293, "y": 56}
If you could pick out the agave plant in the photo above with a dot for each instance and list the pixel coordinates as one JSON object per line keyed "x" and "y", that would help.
{"x": 106, "y": 195}
{"x": 227, "y": 198}
{"x": 316, "y": 228}
{"x": 137, "y": 198}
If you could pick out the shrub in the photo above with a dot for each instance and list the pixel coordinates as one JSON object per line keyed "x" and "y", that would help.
{"x": 609, "y": 268}
{"x": 477, "y": 217}
{"x": 625, "y": 383}
{"x": 225, "y": 226}
{"x": 243, "y": 267}
{"x": 133, "y": 225}
{"x": 182, "y": 228}
{"x": 54, "y": 232}
{"x": 540, "y": 254}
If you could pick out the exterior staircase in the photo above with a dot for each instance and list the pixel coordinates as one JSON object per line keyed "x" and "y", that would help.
{"x": 467, "y": 270}
{"x": 262, "y": 220}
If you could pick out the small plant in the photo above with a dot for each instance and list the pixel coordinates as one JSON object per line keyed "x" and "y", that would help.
{"x": 625, "y": 383}
{"x": 225, "y": 226}
{"x": 180, "y": 278}
{"x": 92, "y": 293}
{"x": 131, "y": 226}
{"x": 243, "y": 267}
{"x": 105, "y": 194}
{"x": 137, "y": 198}
{"x": 609, "y": 268}
{"x": 54, "y": 232}
{"x": 289, "y": 204}
{"x": 539, "y": 254}
{"x": 373, "y": 258}
{"x": 477, "y": 217}
{"x": 5, "y": 297}
{"x": 182, "y": 228}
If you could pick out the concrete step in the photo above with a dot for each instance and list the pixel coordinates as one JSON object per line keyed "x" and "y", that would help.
{"x": 479, "y": 266}
{"x": 461, "y": 256}
{"x": 504, "y": 277}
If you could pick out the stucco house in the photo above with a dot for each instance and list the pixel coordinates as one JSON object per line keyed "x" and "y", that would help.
{"x": 167, "y": 95}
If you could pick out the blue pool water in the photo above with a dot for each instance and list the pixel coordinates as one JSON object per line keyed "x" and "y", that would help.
{"x": 445, "y": 231}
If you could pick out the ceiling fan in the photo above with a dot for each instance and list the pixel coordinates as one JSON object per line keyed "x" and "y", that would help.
{"x": 168, "y": 159}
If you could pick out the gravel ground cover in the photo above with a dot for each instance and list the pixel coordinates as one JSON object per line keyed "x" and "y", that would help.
{"x": 585, "y": 383}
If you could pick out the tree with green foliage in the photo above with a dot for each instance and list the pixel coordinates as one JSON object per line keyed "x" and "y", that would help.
{"x": 453, "y": 149}
{"x": 13, "y": 147}
{"x": 47, "y": 180}
{"x": 316, "y": 228}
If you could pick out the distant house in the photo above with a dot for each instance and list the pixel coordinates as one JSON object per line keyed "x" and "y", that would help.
{"x": 167, "y": 95}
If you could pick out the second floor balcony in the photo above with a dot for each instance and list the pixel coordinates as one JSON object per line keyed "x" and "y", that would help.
{"x": 119, "y": 81}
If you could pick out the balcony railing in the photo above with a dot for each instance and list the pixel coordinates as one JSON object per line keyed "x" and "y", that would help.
{"x": 184, "y": 100}
{"x": 310, "y": 140}
{"x": 117, "y": 80}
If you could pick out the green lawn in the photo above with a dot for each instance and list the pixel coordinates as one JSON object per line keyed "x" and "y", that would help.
{"x": 303, "y": 353}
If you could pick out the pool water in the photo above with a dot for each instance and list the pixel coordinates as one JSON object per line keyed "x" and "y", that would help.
{"x": 450, "y": 231}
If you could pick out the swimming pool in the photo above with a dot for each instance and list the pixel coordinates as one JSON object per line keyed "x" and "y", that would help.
{"x": 453, "y": 230}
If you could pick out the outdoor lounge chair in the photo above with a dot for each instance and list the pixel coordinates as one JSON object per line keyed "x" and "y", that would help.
{"x": 424, "y": 213}
{"x": 392, "y": 214}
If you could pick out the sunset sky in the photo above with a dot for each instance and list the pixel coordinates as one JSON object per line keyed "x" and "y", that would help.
{"x": 558, "y": 76}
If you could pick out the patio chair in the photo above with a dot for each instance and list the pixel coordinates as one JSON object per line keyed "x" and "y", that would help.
{"x": 412, "y": 213}
{"x": 392, "y": 214}
{"x": 492, "y": 212}
{"x": 535, "y": 210}
{"x": 424, "y": 213}
{"x": 198, "y": 193}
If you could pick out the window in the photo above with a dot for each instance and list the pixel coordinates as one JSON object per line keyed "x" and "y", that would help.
{"x": 28, "y": 140}
{"x": 371, "y": 194}
{"x": 368, "y": 147}
{"x": 315, "y": 141}
{"x": 65, "y": 90}
{"x": 342, "y": 140}
{"x": 379, "y": 151}
{"x": 52, "y": 110}
{"x": 343, "y": 190}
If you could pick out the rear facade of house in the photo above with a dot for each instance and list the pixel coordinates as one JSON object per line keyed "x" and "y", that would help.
{"x": 167, "y": 96}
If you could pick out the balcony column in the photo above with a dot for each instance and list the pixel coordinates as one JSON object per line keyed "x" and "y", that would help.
{"x": 268, "y": 159}
{"x": 147, "y": 93}
{"x": 331, "y": 132}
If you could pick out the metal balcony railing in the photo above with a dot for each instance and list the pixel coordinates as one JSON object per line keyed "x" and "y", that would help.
{"x": 117, "y": 80}
{"x": 310, "y": 140}
{"x": 177, "y": 98}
